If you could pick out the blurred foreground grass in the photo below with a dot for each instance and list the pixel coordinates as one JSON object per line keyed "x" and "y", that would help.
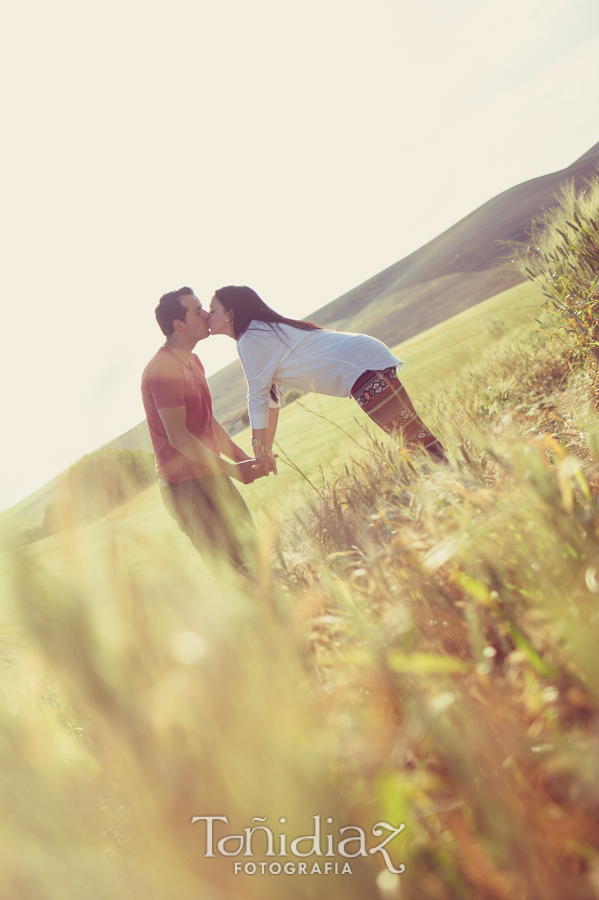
{"x": 420, "y": 648}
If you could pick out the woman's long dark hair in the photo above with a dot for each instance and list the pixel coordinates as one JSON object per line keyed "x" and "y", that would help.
{"x": 247, "y": 306}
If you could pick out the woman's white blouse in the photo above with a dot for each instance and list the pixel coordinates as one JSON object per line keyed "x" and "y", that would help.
{"x": 326, "y": 362}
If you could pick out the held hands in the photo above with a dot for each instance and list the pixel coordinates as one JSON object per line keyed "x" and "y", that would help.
{"x": 265, "y": 461}
{"x": 248, "y": 471}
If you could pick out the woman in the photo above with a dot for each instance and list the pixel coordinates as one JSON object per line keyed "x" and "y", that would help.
{"x": 275, "y": 349}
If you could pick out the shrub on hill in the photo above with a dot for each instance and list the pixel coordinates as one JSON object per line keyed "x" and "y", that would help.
{"x": 562, "y": 254}
{"x": 96, "y": 484}
{"x": 244, "y": 418}
{"x": 291, "y": 395}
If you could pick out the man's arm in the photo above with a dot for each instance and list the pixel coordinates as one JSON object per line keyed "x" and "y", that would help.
{"x": 173, "y": 419}
{"x": 227, "y": 445}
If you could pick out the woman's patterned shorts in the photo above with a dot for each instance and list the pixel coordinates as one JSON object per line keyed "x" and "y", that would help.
{"x": 385, "y": 400}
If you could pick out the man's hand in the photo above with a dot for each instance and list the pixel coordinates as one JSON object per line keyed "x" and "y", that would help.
{"x": 247, "y": 471}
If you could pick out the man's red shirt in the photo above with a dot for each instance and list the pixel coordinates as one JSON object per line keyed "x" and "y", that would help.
{"x": 168, "y": 382}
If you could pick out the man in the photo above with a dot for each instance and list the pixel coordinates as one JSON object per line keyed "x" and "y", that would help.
{"x": 195, "y": 481}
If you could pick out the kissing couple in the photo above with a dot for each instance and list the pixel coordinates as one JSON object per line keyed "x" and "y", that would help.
{"x": 275, "y": 351}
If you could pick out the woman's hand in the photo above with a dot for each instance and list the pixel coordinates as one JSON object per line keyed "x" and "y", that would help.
{"x": 266, "y": 459}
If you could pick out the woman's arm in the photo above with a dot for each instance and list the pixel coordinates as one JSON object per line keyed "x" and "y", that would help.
{"x": 271, "y": 428}
{"x": 267, "y": 435}
{"x": 260, "y": 355}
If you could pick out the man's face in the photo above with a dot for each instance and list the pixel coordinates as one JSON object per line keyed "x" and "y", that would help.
{"x": 196, "y": 319}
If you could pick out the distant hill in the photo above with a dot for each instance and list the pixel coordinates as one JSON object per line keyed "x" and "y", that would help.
{"x": 454, "y": 271}
{"x": 457, "y": 269}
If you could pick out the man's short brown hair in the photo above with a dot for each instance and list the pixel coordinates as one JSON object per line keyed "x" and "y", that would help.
{"x": 171, "y": 308}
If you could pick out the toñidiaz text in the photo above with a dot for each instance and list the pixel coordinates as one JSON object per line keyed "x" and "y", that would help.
{"x": 348, "y": 842}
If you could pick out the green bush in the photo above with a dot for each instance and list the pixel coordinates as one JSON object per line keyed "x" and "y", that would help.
{"x": 96, "y": 484}
{"x": 291, "y": 395}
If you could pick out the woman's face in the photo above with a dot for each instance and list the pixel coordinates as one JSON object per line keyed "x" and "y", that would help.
{"x": 221, "y": 321}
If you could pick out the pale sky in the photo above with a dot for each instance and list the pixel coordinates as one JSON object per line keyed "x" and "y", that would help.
{"x": 296, "y": 147}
